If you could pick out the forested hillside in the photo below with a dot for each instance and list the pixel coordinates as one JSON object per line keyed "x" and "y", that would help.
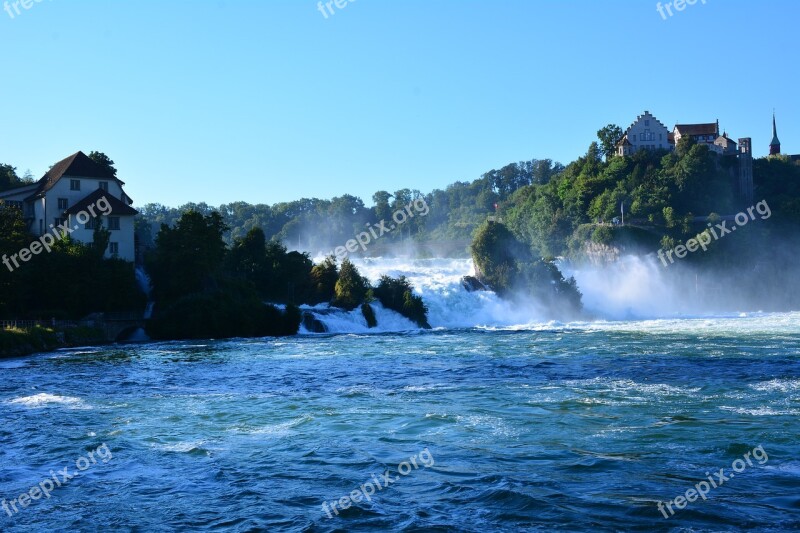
{"x": 315, "y": 225}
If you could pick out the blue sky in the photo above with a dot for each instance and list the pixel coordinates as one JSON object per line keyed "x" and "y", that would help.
{"x": 267, "y": 101}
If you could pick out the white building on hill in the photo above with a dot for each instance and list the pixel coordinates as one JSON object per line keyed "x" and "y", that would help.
{"x": 69, "y": 188}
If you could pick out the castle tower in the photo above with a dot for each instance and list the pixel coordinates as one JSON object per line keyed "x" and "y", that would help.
{"x": 775, "y": 145}
{"x": 746, "y": 170}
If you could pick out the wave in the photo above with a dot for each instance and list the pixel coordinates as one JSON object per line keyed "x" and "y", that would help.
{"x": 45, "y": 400}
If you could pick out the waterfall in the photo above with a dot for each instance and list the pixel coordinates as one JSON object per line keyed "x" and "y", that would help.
{"x": 143, "y": 280}
{"x": 631, "y": 288}
{"x": 438, "y": 282}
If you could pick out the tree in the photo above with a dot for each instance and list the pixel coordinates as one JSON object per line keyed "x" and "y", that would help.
{"x": 609, "y": 136}
{"x": 383, "y": 210}
{"x": 100, "y": 238}
{"x": 189, "y": 256}
{"x": 351, "y": 288}
{"x": 9, "y": 178}
{"x": 398, "y": 295}
{"x": 323, "y": 280}
{"x": 247, "y": 259}
{"x": 103, "y": 160}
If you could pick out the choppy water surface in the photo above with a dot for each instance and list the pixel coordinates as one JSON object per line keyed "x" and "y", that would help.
{"x": 574, "y": 428}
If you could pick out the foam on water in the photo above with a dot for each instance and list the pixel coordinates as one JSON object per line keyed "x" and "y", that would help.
{"x": 633, "y": 294}
{"x": 45, "y": 400}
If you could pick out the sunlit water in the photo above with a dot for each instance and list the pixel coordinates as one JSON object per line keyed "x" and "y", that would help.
{"x": 531, "y": 425}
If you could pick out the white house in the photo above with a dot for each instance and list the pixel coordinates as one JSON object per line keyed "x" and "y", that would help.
{"x": 702, "y": 133}
{"x": 646, "y": 133}
{"x": 67, "y": 190}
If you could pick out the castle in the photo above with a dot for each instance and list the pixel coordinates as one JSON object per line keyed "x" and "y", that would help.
{"x": 649, "y": 133}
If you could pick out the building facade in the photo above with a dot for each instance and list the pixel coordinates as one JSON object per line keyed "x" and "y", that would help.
{"x": 701, "y": 133}
{"x": 72, "y": 189}
{"x": 646, "y": 133}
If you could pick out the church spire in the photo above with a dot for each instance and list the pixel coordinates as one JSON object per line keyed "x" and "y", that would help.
{"x": 775, "y": 145}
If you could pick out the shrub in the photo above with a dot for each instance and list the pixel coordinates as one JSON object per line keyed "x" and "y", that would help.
{"x": 222, "y": 315}
{"x": 397, "y": 294}
{"x": 602, "y": 235}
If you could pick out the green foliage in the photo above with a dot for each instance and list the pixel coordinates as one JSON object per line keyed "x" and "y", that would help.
{"x": 323, "y": 280}
{"x": 204, "y": 290}
{"x": 602, "y": 235}
{"x": 17, "y": 342}
{"x": 496, "y": 252}
{"x": 222, "y": 314}
{"x": 10, "y": 180}
{"x": 507, "y": 267}
{"x": 84, "y": 336}
{"x": 545, "y": 282}
{"x": 398, "y": 295}
{"x": 778, "y": 180}
{"x": 69, "y": 282}
{"x": 351, "y": 288}
{"x": 100, "y": 238}
{"x": 188, "y": 258}
{"x": 103, "y": 160}
{"x": 318, "y": 225}
{"x": 609, "y": 136}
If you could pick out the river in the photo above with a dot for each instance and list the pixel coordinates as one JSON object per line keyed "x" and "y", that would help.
{"x": 497, "y": 420}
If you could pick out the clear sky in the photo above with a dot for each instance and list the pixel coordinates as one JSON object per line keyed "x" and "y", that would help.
{"x": 267, "y": 101}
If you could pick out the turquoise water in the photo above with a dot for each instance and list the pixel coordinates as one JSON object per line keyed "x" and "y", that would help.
{"x": 557, "y": 428}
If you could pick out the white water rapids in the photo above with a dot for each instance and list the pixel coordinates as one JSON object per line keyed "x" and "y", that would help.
{"x": 634, "y": 288}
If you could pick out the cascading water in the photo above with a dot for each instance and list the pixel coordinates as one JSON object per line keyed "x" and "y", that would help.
{"x": 629, "y": 289}
{"x": 438, "y": 281}
{"x": 143, "y": 280}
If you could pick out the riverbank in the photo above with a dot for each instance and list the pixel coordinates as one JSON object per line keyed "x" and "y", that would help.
{"x": 17, "y": 342}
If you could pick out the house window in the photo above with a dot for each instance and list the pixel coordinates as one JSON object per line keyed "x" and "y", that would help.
{"x": 63, "y": 204}
{"x": 74, "y": 185}
{"x": 646, "y": 122}
{"x": 104, "y": 186}
{"x": 91, "y": 224}
{"x": 60, "y": 221}
{"x": 113, "y": 248}
{"x": 113, "y": 223}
